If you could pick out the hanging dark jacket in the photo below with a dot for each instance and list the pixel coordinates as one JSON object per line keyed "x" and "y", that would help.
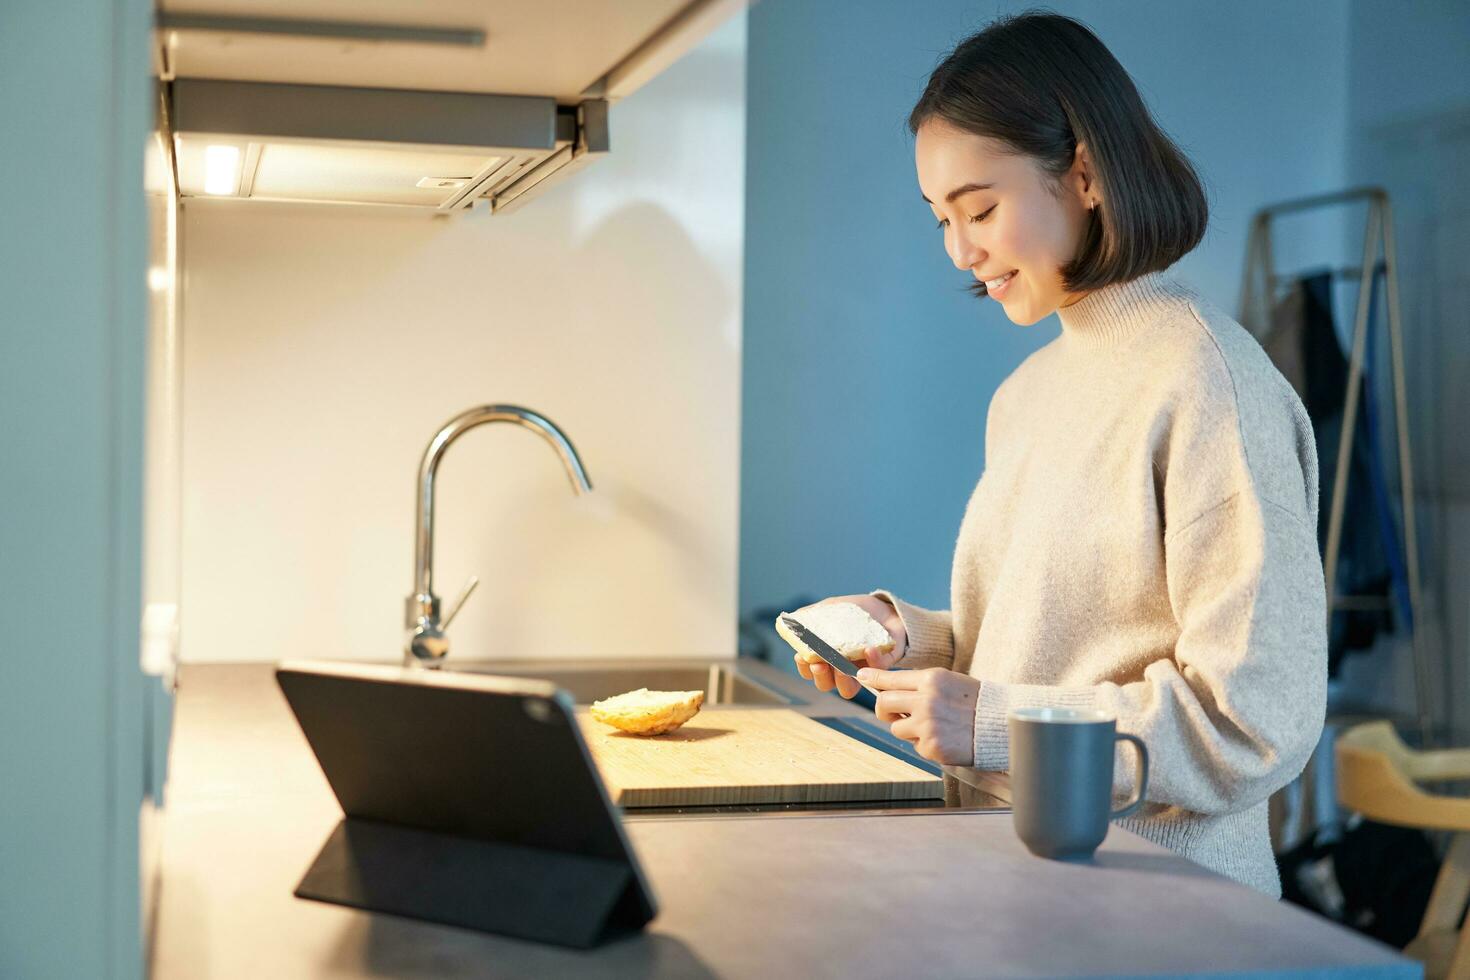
{"x": 1302, "y": 342}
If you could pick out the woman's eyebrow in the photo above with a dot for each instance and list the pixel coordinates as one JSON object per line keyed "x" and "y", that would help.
{"x": 949, "y": 198}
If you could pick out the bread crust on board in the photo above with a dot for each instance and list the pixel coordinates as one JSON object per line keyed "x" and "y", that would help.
{"x": 845, "y": 626}
{"x": 645, "y": 712}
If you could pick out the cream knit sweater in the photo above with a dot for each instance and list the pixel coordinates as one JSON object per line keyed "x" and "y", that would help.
{"x": 1144, "y": 540}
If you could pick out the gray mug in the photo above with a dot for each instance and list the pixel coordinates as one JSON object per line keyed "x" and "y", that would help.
{"x": 1062, "y": 779}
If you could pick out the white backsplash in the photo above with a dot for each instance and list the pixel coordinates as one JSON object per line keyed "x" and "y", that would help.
{"x": 323, "y": 347}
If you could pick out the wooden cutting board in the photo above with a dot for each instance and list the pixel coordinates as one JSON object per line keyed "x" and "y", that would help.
{"x": 745, "y": 755}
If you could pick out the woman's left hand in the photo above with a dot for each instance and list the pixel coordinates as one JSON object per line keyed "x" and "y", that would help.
{"x": 932, "y": 709}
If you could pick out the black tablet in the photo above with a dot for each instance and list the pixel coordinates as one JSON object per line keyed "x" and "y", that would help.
{"x": 469, "y": 798}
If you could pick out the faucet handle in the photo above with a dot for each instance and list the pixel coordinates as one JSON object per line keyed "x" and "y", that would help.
{"x": 464, "y": 594}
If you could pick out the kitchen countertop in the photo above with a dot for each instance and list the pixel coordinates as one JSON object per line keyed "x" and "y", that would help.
{"x": 856, "y": 893}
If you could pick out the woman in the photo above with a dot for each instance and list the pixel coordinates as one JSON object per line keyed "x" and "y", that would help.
{"x": 1143, "y": 539}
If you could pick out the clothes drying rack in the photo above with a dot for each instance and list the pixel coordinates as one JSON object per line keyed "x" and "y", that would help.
{"x": 1260, "y": 289}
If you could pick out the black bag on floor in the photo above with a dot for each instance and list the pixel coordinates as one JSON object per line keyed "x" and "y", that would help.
{"x": 1376, "y": 878}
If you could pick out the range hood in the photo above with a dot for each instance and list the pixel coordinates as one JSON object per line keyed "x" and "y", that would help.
{"x": 441, "y": 151}
{"x": 471, "y": 106}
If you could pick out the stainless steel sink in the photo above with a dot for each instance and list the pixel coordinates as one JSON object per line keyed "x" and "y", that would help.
{"x": 721, "y": 683}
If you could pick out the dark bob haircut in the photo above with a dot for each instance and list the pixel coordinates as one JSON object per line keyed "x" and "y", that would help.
{"x": 1041, "y": 83}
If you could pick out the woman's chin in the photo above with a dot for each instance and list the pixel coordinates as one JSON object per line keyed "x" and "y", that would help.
{"x": 1023, "y": 316}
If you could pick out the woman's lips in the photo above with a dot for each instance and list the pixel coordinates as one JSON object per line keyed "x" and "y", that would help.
{"x": 997, "y": 288}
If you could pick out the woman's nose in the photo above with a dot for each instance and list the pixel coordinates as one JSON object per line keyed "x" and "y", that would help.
{"x": 964, "y": 253}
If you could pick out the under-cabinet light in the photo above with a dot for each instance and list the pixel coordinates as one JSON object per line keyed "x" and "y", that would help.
{"x": 221, "y": 169}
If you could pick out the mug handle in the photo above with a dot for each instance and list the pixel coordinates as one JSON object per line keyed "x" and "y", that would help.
{"x": 1132, "y": 805}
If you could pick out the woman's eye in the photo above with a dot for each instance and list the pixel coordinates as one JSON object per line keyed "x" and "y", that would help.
{"x": 974, "y": 218}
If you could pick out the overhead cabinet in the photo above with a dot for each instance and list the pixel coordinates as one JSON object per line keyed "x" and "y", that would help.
{"x": 454, "y": 105}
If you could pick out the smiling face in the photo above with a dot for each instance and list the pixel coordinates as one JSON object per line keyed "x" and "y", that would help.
{"x": 1005, "y": 219}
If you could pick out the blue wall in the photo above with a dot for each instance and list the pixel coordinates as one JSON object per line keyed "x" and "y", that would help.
{"x": 867, "y": 368}
{"x": 1409, "y": 132}
{"x": 74, "y": 329}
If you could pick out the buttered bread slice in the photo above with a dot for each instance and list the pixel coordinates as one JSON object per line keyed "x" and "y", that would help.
{"x": 845, "y": 626}
{"x": 645, "y": 712}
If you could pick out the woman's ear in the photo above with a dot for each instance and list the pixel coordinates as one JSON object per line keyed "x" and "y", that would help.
{"x": 1082, "y": 179}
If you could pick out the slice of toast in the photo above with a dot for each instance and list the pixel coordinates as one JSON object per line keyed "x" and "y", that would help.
{"x": 645, "y": 712}
{"x": 846, "y": 626}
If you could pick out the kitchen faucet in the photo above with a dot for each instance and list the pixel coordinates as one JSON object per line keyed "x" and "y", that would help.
{"x": 427, "y": 644}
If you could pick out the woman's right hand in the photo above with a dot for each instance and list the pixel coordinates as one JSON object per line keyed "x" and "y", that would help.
{"x": 819, "y": 673}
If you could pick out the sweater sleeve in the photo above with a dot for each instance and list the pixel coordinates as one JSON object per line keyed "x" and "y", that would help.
{"x": 1235, "y": 713}
{"x": 930, "y": 633}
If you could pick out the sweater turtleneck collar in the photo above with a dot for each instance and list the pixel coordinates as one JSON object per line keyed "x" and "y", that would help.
{"x": 1109, "y": 316}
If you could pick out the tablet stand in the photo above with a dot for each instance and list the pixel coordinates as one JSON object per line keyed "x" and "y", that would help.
{"x": 540, "y": 895}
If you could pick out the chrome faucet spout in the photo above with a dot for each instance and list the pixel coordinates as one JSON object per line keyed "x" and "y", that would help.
{"x": 426, "y": 643}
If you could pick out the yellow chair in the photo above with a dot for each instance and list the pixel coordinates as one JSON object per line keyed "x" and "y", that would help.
{"x": 1377, "y": 776}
